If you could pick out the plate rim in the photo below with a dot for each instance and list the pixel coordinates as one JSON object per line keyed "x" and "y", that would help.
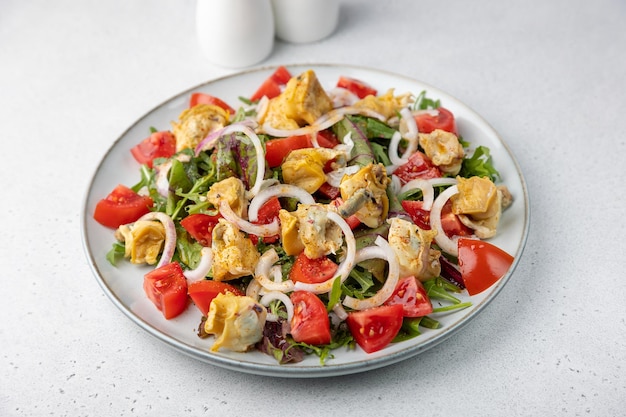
{"x": 328, "y": 369}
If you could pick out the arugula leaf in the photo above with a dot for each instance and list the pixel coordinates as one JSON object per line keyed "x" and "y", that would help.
{"x": 335, "y": 294}
{"x": 116, "y": 253}
{"x": 480, "y": 165}
{"x": 423, "y": 103}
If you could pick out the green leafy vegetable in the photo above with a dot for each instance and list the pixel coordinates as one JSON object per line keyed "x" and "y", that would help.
{"x": 479, "y": 164}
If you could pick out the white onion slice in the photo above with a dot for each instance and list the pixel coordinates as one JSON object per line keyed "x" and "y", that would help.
{"x": 283, "y": 298}
{"x": 393, "y": 149}
{"x": 254, "y": 229}
{"x": 203, "y": 268}
{"x": 351, "y": 110}
{"x": 342, "y": 97}
{"x": 427, "y": 188}
{"x": 340, "y": 312}
{"x": 411, "y": 133}
{"x": 306, "y": 130}
{"x": 324, "y": 122}
{"x": 161, "y": 181}
{"x": 262, "y": 273}
{"x": 344, "y": 268}
{"x": 396, "y": 184}
{"x": 170, "y": 235}
{"x": 276, "y": 273}
{"x": 334, "y": 177}
{"x": 281, "y": 190}
{"x": 443, "y": 241}
{"x": 253, "y": 290}
{"x": 381, "y": 250}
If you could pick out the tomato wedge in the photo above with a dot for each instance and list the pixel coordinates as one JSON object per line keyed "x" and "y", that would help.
{"x": 271, "y": 86}
{"x": 375, "y": 328}
{"x": 267, "y": 213}
{"x": 157, "y": 145}
{"x": 204, "y": 291}
{"x": 327, "y": 139}
{"x": 418, "y": 166}
{"x": 203, "y": 98}
{"x": 358, "y": 87}
{"x": 450, "y": 222}
{"x": 166, "y": 287}
{"x": 200, "y": 227}
{"x": 310, "y": 323}
{"x": 482, "y": 264}
{"x": 444, "y": 120}
{"x": 121, "y": 206}
{"x": 412, "y": 296}
{"x": 276, "y": 150}
{"x": 312, "y": 271}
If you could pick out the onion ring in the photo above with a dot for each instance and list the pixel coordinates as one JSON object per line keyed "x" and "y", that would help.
{"x": 280, "y": 190}
{"x": 448, "y": 245}
{"x": 344, "y": 268}
{"x": 283, "y": 298}
{"x": 262, "y": 273}
{"x": 203, "y": 268}
{"x": 381, "y": 250}
{"x": 263, "y": 230}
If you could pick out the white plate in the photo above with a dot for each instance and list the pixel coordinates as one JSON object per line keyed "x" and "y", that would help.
{"x": 123, "y": 284}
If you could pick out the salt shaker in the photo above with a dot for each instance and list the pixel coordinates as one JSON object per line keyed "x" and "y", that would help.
{"x": 235, "y": 33}
{"x": 304, "y": 21}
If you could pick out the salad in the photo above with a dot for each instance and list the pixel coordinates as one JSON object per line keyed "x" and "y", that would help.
{"x": 307, "y": 219}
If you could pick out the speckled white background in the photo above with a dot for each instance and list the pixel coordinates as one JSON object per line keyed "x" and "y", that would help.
{"x": 547, "y": 75}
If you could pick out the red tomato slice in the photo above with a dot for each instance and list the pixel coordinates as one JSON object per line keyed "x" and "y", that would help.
{"x": 157, "y": 145}
{"x": 327, "y": 139}
{"x": 202, "y": 98}
{"x": 358, "y": 87}
{"x": 481, "y": 264}
{"x": 415, "y": 211}
{"x": 427, "y": 122}
{"x": 411, "y": 295}
{"x": 166, "y": 287}
{"x": 267, "y": 213}
{"x": 312, "y": 271}
{"x": 271, "y": 86}
{"x": 276, "y": 150}
{"x": 352, "y": 221}
{"x": 204, "y": 291}
{"x": 121, "y": 206}
{"x": 329, "y": 191}
{"x": 310, "y": 323}
{"x": 375, "y": 328}
{"x": 281, "y": 75}
{"x": 200, "y": 227}
{"x": 449, "y": 221}
{"x": 418, "y": 166}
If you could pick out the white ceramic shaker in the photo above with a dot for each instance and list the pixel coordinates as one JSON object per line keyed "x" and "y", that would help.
{"x": 235, "y": 33}
{"x": 304, "y": 21}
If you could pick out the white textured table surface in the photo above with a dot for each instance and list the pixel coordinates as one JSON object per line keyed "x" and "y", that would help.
{"x": 547, "y": 75}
